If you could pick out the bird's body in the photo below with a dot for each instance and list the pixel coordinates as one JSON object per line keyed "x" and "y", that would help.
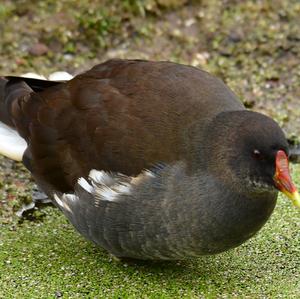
{"x": 140, "y": 156}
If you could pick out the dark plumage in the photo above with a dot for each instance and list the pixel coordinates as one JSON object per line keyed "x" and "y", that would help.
{"x": 180, "y": 167}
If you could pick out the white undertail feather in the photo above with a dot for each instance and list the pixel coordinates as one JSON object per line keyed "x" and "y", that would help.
{"x": 12, "y": 145}
{"x": 33, "y": 76}
{"x": 60, "y": 76}
{"x": 56, "y": 76}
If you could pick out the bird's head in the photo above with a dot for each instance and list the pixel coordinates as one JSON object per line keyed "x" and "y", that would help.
{"x": 251, "y": 150}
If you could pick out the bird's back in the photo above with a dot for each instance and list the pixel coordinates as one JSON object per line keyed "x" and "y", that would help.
{"x": 121, "y": 116}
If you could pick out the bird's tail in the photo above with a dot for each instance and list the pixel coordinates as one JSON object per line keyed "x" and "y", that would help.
{"x": 12, "y": 145}
{"x": 13, "y": 90}
{"x": 4, "y": 116}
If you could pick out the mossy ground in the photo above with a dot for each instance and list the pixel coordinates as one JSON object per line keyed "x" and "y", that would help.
{"x": 252, "y": 45}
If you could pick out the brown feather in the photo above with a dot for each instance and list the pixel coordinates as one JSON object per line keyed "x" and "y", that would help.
{"x": 121, "y": 116}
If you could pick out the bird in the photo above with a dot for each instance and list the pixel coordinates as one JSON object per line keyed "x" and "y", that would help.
{"x": 149, "y": 160}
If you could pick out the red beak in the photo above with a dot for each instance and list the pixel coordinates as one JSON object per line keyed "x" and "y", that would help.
{"x": 283, "y": 180}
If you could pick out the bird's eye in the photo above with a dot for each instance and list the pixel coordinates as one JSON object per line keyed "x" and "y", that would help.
{"x": 257, "y": 154}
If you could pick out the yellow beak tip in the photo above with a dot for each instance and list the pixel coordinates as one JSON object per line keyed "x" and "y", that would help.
{"x": 296, "y": 203}
{"x": 295, "y": 197}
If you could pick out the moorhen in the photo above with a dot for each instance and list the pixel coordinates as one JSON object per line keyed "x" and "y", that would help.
{"x": 150, "y": 160}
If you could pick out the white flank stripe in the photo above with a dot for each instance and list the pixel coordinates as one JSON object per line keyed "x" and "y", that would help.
{"x": 63, "y": 204}
{"x": 57, "y": 199}
{"x": 101, "y": 177}
{"x": 123, "y": 188}
{"x": 70, "y": 197}
{"x": 85, "y": 185}
{"x": 97, "y": 176}
{"x": 107, "y": 194}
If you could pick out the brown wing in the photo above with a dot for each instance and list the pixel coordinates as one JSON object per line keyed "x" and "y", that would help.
{"x": 120, "y": 116}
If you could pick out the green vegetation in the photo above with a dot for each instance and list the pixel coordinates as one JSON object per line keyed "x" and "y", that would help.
{"x": 253, "y": 45}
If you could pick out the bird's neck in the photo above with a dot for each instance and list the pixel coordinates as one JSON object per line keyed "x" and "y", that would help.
{"x": 228, "y": 217}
